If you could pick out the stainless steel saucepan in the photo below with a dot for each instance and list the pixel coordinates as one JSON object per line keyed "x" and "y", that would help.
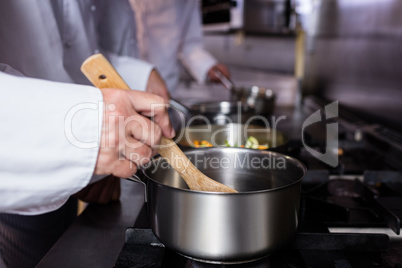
{"x": 221, "y": 112}
{"x": 210, "y": 108}
{"x": 226, "y": 227}
{"x": 257, "y": 99}
{"x": 244, "y": 103}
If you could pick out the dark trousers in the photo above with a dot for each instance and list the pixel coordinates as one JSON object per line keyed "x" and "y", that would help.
{"x": 24, "y": 240}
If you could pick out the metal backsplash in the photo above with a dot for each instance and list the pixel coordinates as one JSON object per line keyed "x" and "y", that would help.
{"x": 354, "y": 55}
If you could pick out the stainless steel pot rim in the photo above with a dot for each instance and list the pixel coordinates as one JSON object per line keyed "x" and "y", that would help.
{"x": 274, "y": 154}
{"x": 249, "y": 149}
{"x": 218, "y": 103}
{"x": 220, "y": 107}
{"x": 249, "y": 126}
{"x": 257, "y": 91}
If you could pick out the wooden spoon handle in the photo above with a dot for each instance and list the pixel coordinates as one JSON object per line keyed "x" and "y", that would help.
{"x": 177, "y": 159}
{"x": 101, "y": 73}
{"x": 194, "y": 178}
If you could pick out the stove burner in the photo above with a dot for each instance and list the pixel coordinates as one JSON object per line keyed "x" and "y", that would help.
{"x": 256, "y": 263}
{"x": 342, "y": 188}
{"x": 231, "y": 263}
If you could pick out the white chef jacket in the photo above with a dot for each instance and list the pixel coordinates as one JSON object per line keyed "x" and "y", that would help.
{"x": 170, "y": 32}
{"x": 49, "y": 39}
{"x": 40, "y": 167}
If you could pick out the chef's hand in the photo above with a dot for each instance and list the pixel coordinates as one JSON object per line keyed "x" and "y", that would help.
{"x": 101, "y": 192}
{"x": 157, "y": 86}
{"x": 128, "y": 138}
{"x": 218, "y": 67}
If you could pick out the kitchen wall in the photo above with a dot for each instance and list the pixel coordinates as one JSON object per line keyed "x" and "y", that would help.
{"x": 264, "y": 52}
{"x": 354, "y": 55}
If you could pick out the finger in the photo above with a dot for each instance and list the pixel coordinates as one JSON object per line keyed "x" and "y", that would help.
{"x": 212, "y": 74}
{"x": 153, "y": 105}
{"x": 165, "y": 95}
{"x": 161, "y": 118}
{"x": 218, "y": 68}
{"x": 139, "y": 155}
{"x": 223, "y": 69}
{"x": 145, "y": 102}
{"x": 157, "y": 86}
{"x": 124, "y": 168}
{"x": 143, "y": 130}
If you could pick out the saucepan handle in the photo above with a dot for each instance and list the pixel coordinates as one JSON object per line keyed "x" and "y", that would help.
{"x": 136, "y": 178}
{"x": 180, "y": 107}
{"x": 179, "y": 114}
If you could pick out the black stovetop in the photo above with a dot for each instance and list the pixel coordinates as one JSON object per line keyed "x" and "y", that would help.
{"x": 150, "y": 253}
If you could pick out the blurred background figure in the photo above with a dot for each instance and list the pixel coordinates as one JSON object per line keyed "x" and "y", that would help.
{"x": 169, "y": 35}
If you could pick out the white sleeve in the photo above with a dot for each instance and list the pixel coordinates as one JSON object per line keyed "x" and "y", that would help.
{"x": 49, "y": 142}
{"x": 135, "y": 72}
{"x": 193, "y": 56}
{"x": 8, "y": 69}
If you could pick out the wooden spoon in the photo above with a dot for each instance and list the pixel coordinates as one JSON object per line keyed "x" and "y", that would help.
{"x": 102, "y": 74}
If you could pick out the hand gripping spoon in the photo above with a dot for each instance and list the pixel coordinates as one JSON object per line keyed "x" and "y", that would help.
{"x": 102, "y": 75}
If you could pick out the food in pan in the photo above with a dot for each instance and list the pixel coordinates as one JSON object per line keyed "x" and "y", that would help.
{"x": 202, "y": 143}
{"x": 251, "y": 143}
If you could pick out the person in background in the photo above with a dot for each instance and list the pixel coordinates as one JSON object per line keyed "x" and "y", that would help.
{"x": 40, "y": 170}
{"x": 169, "y": 32}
